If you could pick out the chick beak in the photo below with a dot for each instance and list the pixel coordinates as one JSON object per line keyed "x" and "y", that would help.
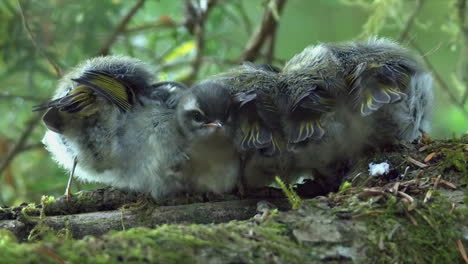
{"x": 215, "y": 124}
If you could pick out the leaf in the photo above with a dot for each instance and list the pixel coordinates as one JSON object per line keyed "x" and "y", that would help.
{"x": 182, "y": 50}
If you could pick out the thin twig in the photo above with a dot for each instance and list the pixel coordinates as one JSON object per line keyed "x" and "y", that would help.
{"x": 439, "y": 79}
{"x": 57, "y": 69}
{"x": 245, "y": 18}
{"x": 271, "y": 47}
{"x": 267, "y": 27}
{"x": 199, "y": 32}
{"x": 32, "y": 147}
{"x": 32, "y": 123}
{"x": 410, "y": 22}
{"x": 120, "y": 28}
{"x": 158, "y": 25}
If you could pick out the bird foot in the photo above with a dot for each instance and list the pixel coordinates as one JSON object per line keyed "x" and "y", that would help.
{"x": 68, "y": 195}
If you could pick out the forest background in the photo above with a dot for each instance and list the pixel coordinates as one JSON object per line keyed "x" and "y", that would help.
{"x": 40, "y": 40}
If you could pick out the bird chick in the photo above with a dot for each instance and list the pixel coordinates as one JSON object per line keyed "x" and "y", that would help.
{"x": 253, "y": 110}
{"x": 378, "y": 73}
{"x": 387, "y": 98}
{"x": 256, "y": 132}
{"x": 106, "y": 120}
{"x": 204, "y": 121}
{"x": 306, "y": 93}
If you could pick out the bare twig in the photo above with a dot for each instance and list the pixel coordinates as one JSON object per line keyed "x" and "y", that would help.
{"x": 199, "y": 51}
{"x": 271, "y": 47}
{"x": 461, "y": 4}
{"x": 167, "y": 23}
{"x": 245, "y": 18}
{"x": 31, "y": 125}
{"x": 57, "y": 69}
{"x": 442, "y": 84}
{"x": 32, "y": 147}
{"x": 410, "y": 22}
{"x": 417, "y": 163}
{"x": 266, "y": 29}
{"x": 120, "y": 28}
{"x": 461, "y": 248}
{"x": 199, "y": 32}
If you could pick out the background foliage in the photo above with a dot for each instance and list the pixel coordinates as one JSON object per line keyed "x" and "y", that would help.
{"x": 64, "y": 32}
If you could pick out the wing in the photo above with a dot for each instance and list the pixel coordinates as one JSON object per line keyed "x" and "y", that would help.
{"x": 109, "y": 87}
{"x": 374, "y": 85}
{"x": 255, "y": 133}
{"x": 305, "y": 114}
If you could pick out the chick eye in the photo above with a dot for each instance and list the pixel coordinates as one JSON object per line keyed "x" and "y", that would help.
{"x": 196, "y": 116}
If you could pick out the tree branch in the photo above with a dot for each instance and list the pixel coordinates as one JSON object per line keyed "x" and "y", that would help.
{"x": 99, "y": 223}
{"x": 32, "y": 147}
{"x": 438, "y": 78}
{"x": 199, "y": 31}
{"x": 31, "y": 125}
{"x": 120, "y": 28}
{"x": 266, "y": 29}
{"x": 411, "y": 19}
{"x": 271, "y": 47}
{"x": 57, "y": 69}
{"x": 162, "y": 23}
{"x": 245, "y": 18}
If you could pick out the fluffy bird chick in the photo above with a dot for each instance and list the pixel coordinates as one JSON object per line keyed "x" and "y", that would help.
{"x": 306, "y": 93}
{"x": 254, "y": 111}
{"x": 257, "y": 131}
{"x": 108, "y": 121}
{"x": 204, "y": 121}
{"x": 387, "y": 98}
{"x": 381, "y": 74}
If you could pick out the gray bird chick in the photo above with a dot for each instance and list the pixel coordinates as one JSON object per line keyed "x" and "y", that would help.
{"x": 257, "y": 131}
{"x": 107, "y": 120}
{"x": 204, "y": 123}
{"x": 387, "y": 98}
{"x": 254, "y": 111}
{"x": 381, "y": 74}
{"x": 297, "y": 97}
{"x": 307, "y": 92}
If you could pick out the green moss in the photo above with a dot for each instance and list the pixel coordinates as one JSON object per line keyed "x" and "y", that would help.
{"x": 345, "y": 185}
{"x": 45, "y": 200}
{"x": 7, "y": 237}
{"x": 237, "y": 241}
{"x": 455, "y": 158}
{"x": 394, "y": 238}
{"x": 289, "y": 192}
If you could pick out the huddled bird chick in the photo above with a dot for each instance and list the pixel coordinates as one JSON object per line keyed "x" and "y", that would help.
{"x": 107, "y": 121}
{"x": 388, "y": 83}
{"x": 257, "y": 131}
{"x": 204, "y": 122}
{"x": 253, "y": 110}
{"x": 384, "y": 96}
{"x": 307, "y": 92}
{"x": 293, "y": 103}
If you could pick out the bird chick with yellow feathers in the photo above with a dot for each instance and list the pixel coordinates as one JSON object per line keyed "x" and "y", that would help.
{"x": 256, "y": 130}
{"x": 379, "y": 94}
{"x": 109, "y": 124}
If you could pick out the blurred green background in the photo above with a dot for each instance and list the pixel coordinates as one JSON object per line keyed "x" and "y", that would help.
{"x": 67, "y": 32}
